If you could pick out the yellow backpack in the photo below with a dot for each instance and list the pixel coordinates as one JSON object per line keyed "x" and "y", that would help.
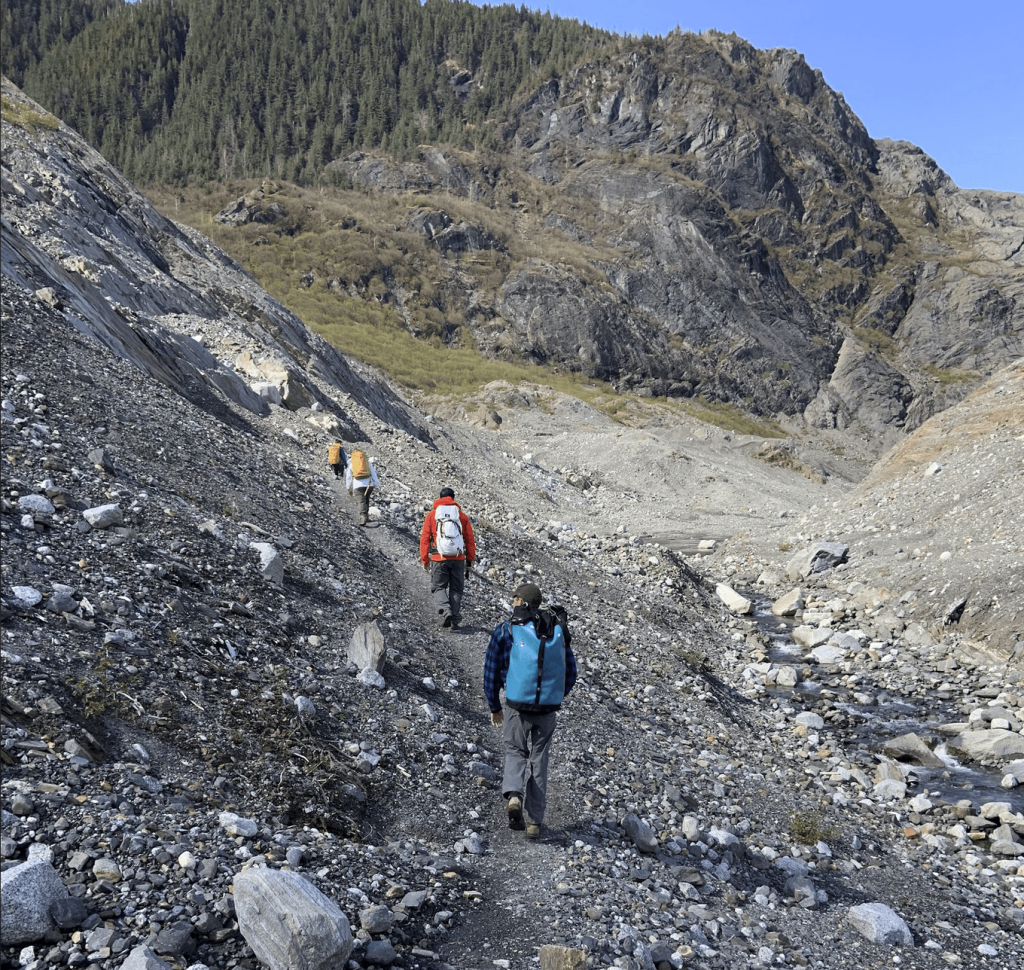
{"x": 360, "y": 464}
{"x": 334, "y": 454}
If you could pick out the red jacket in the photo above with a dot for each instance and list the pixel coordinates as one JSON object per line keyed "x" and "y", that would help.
{"x": 430, "y": 526}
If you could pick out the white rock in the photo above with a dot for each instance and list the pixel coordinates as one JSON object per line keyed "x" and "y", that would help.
{"x": 37, "y": 504}
{"x": 810, "y": 720}
{"x": 104, "y": 516}
{"x": 288, "y": 922}
{"x": 27, "y": 596}
{"x": 271, "y": 564}
{"x": 878, "y": 923}
{"x": 236, "y": 825}
{"x": 827, "y": 654}
{"x": 370, "y": 678}
{"x": 366, "y": 649}
{"x": 733, "y": 601}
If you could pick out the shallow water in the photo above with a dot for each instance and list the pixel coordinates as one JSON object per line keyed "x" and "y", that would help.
{"x": 889, "y": 719}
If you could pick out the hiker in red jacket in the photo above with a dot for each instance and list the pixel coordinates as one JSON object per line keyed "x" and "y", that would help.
{"x": 447, "y": 550}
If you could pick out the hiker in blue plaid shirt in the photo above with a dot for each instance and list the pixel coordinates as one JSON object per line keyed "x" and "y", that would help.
{"x": 530, "y": 657}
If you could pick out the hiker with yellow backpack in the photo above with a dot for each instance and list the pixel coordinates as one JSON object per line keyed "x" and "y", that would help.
{"x": 336, "y": 458}
{"x": 361, "y": 480}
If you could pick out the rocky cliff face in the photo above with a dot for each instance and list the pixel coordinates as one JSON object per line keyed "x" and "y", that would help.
{"x": 743, "y": 228}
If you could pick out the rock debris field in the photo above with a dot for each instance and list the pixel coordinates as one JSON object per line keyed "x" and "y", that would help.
{"x": 221, "y": 696}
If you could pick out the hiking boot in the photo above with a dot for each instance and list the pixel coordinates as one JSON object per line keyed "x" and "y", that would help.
{"x": 446, "y": 621}
{"x": 363, "y": 520}
{"x": 533, "y": 830}
{"x": 515, "y": 813}
{"x": 454, "y": 624}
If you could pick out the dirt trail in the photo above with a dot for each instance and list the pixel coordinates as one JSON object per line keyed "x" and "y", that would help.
{"x": 514, "y": 876}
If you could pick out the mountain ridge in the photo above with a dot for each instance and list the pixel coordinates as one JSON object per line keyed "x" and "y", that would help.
{"x": 740, "y": 225}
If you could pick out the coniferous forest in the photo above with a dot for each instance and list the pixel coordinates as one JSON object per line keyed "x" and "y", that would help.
{"x": 176, "y": 91}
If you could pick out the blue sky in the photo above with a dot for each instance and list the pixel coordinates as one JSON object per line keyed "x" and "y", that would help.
{"x": 948, "y": 77}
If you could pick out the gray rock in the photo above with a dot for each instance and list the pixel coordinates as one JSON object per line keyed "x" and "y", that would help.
{"x": 271, "y": 563}
{"x": 36, "y": 504}
{"x": 366, "y": 649}
{"x": 289, "y": 923}
{"x": 27, "y": 893}
{"x": 144, "y": 958}
{"x": 68, "y": 914}
{"x": 22, "y": 805}
{"x": 801, "y": 889}
{"x": 235, "y": 825}
{"x": 816, "y": 559}
{"x": 990, "y": 745}
{"x": 790, "y": 604}
{"x": 106, "y": 870}
{"x": 175, "y": 940}
{"x": 380, "y": 953}
{"x": 62, "y": 599}
{"x": 101, "y": 460}
{"x": 104, "y": 516}
{"x": 909, "y": 747}
{"x": 376, "y": 919}
{"x": 878, "y": 923}
{"x": 640, "y": 832}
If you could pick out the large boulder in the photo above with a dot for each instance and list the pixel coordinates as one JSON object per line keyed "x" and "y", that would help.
{"x": 27, "y": 892}
{"x": 992, "y": 744}
{"x": 790, "y": 604}
{"x": 734, "y": 602}
{"x": 366, "y": 649}
{"x": 816, "y": 559}
{"x": 909, "y": 747}
{"x": 295, "y": 393}
{"x": 878, "y": 923}
{"x": 289, "y": 923}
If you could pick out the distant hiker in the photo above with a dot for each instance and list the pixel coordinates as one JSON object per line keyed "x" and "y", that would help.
{"x": 447, "y": 550}
{"x": 361, "y": 480}
{"x": 336, "y": 458}
{"x": 530, "y": 657}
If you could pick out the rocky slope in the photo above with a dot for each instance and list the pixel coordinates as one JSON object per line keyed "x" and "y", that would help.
{"x": 189, "y": 705}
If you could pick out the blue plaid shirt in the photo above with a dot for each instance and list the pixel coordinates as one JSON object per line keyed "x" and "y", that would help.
{"x": 499, "y": 651}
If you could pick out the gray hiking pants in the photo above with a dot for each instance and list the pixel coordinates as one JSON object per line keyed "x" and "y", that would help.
{"x": 447, "y": 581}
{"x": 527, "y": 741}
{"x": 363, "y": 503}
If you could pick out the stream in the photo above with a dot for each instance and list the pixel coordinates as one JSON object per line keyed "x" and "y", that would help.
{"x": 887, "y": 717}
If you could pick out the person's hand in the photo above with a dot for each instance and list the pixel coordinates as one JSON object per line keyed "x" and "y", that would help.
{"x": 426, "y": 567}
{"x": 497, "y": 718}
{"x": 469, "y": 569}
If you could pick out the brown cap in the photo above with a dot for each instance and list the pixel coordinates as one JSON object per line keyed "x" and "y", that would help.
{"x": 529, "y": 594}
